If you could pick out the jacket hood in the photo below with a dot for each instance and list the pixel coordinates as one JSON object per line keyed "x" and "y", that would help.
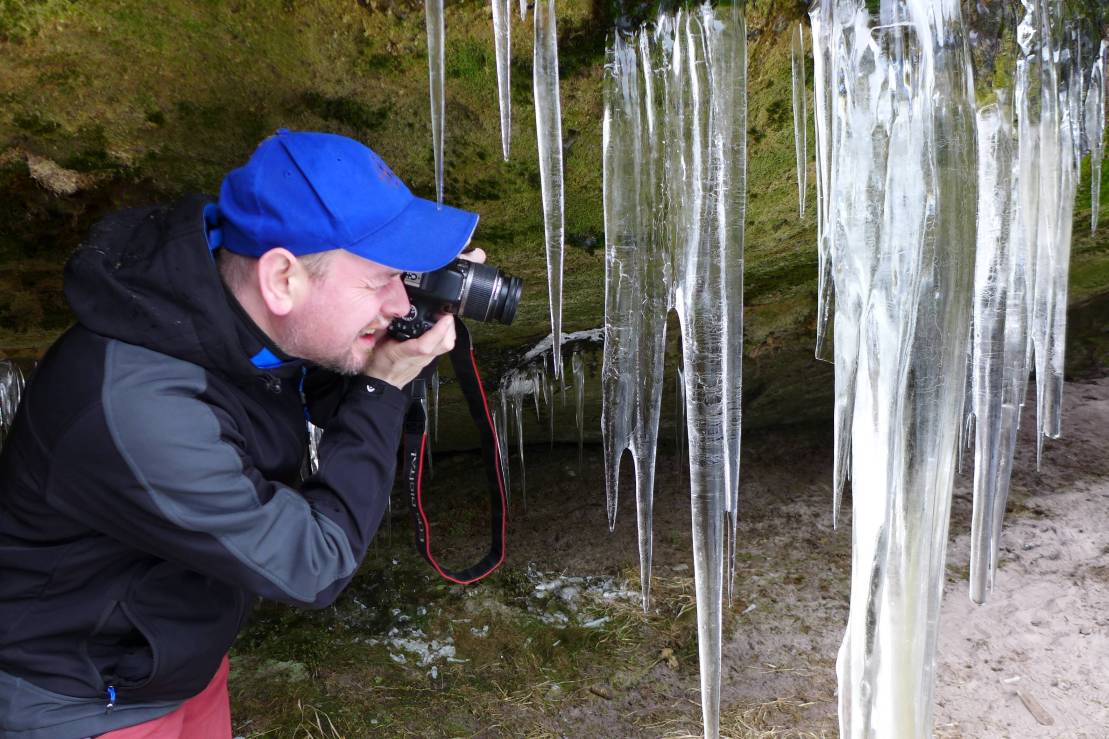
{"x": 146, "y": 276}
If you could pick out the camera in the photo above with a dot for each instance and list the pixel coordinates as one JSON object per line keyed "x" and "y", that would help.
{"x": 466, "y": 289}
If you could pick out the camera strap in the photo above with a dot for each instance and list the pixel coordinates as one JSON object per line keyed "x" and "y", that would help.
{"x": 415, "y": 446}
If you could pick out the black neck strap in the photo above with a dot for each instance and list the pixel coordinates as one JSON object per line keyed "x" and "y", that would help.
{"x": 415, "y": 445}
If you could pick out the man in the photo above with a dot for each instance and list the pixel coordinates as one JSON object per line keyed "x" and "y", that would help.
{"x": 150, "y": 487}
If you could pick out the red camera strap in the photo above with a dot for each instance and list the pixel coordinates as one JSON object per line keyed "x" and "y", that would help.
{"x": 415, "y": 445}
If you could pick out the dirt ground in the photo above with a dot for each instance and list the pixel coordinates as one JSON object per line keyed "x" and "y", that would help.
{"x": 1028, "y": 663}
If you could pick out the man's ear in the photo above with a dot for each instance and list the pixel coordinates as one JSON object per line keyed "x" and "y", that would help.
{"x": 282, "y": 280}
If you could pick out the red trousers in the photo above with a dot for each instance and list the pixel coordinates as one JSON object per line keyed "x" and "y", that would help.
{"x": 206, "y": 715}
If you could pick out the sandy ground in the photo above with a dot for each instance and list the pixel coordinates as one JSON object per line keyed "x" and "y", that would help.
{"x": 1032, "y": 662}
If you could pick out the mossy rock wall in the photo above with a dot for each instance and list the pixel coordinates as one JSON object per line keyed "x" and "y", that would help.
{"x": 122, "y": 102}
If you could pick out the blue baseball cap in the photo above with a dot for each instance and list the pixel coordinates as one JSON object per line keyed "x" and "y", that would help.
{"x": 310, "y": 192}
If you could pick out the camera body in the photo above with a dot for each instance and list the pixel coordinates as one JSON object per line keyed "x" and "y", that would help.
{"x": 463, "y": 288}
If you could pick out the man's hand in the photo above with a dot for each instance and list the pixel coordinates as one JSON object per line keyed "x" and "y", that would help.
{"x": 399, "y": 362}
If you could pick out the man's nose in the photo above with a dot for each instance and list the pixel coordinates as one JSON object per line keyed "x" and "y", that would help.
{"x": 396, "y": 303}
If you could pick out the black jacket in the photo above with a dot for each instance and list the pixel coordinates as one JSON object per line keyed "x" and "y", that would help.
{"x": 150, "y": 485}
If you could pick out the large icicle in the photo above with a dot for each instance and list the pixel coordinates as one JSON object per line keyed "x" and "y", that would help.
{"x": 898, "y": 101}
{"x": 674, "y": 164}
{"x": 637, "y": 288}
{"x": 1000, "y": 336}
{"x": 436, "y": 35}
{"x": 502, "y": 42}
{"x": 1058, "y": 162}
{"x": 800, "y": 116}
{"x": 548, "y": 134}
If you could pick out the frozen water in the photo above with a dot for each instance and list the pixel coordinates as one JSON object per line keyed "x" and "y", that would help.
{"x": 548, "y": 134}
{"x": 1000, "y": 336}
{"x": 577, "y": 372}
{"x": 896, "y": 154}
{"x": 502, "y": 38}
{"x": 1095, "y": 128}
{"x": 822, "y": 87}
{"x": 433, "y": 402}
{"x": 674, "y": 186}
{"x": 11, "y": 392}
{"x": 636, "y": 292}
{"x": 800, "y": 116}
{"x": 433, "y": 10}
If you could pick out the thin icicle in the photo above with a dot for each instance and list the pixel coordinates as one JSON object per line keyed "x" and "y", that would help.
{"x": 548, "y": 133}
{"x": 433, "y": 397}
{"x": 502, "y": 41}
{"x": 524, "y": 9}
{"x": 433, "y": 10}
{"x": 577, "y": 370}
{"x": 800, "y": 116}
{"x": 1095, "y": 129}
{"x": 823, "y": 28}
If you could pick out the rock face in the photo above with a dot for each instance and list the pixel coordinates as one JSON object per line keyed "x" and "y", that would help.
{"x": 136, "y": 102}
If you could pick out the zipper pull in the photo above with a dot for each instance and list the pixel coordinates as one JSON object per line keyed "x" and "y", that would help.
{"x": 111, "y": 691}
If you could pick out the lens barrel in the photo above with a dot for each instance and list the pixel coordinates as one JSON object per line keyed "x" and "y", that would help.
{"x": 488, "y": 294}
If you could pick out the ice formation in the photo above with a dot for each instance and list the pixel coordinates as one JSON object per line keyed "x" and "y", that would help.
{"x": 502, "y": 40}
{"x": 901, "y": 150}
{"x": 532, "y": 379}
{"x": 11, "y": 391}
{"x": 896, "y": 167}
{"x": 433, "y": 12}
{"x": 800, "y": 115}
{"x": 548, "y": 134}
{"x": 1095, "y": 128}
{"x": 1029, "y": 162}
{"x": 674, "y": 154}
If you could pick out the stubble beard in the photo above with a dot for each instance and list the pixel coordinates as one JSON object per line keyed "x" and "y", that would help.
{"x": 297, "y": 343}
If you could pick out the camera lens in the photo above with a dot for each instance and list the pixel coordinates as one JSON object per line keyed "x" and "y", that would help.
{"x": 489, "y": 294}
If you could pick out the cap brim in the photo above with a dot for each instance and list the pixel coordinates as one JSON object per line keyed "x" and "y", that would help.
{"x": 424, "y": 237}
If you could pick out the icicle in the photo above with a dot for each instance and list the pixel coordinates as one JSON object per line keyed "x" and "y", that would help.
{"x": 500, "y": 419}
{"x": 822, "y": 27}
{"x": 1000, "y": 336}
{"x": 895, "y": 133}
{"x": 502, "y": 39}
{"x": 548, "y": 133}
{"x": 1058, "y": 183}
{"x": 577, "y": 370}
{"x": 800, "y": 116}
{"x": 433, "y": 10}
{"x": 524, "y": 9}
{"x": 11, "y": 392}
{"x": 637, "y": 285}
{"x": 1095, "y": 129}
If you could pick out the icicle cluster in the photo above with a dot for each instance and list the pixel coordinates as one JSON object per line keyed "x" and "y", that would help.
{"x": 11, "y": 391}
{"x": 1030, "y": 146}
{"x": 532, "y": 378}
{"x": 674, "y": 153}
{"x": 895, "y": 157}
{"x": 897, "y": 164}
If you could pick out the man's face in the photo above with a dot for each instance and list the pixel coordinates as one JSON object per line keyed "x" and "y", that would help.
{"x": 344, "y": 314}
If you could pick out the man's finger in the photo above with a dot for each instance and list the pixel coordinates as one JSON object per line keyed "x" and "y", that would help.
{"x": 475, "y": 255}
